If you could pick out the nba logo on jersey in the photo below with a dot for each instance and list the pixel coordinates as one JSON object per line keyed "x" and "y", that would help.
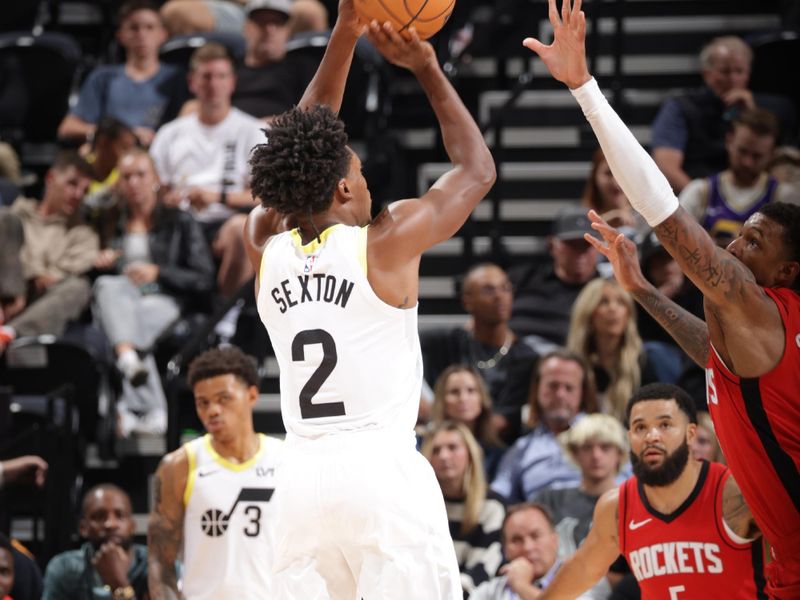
{"x": 310, "y": 260}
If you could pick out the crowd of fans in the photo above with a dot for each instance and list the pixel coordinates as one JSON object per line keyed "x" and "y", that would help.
{"x": 523, "y": 416}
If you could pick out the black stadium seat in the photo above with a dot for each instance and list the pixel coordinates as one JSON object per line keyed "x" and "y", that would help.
{"x": 36, "y": 77}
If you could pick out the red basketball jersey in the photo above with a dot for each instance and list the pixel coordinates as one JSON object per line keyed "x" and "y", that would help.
{"x": 757, "y": 422}
{"x": 690, "y": 553}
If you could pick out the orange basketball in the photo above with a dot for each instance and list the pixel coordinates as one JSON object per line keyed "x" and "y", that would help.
{"x": 426, "y": 16}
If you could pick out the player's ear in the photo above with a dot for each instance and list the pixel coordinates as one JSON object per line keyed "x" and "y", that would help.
{"x": 252, "y": 395}
{"x": 788, "y": 272}
{"x": 691, "y": 433}
{"x": 343, "y": 193}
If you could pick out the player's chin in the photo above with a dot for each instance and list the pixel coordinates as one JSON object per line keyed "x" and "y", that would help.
{"x": 214, "y": 426}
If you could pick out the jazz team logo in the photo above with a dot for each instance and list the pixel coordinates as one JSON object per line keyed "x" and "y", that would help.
{"x": 214, "y": 522}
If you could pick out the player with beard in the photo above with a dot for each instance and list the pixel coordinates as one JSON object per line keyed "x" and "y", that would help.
{"x": 109, "y": 564}
{"x": 681, "y": 524}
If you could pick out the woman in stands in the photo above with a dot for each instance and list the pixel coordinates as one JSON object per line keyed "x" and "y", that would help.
{"x": 460, "y": 394}
{"x": 474, "y": 512}
{"x": 603, "y": 330}
{"x": 603, "y": 194}
{"x": 154, "y": 259}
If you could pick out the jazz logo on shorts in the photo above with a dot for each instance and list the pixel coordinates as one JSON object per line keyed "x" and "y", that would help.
{"x": 215, "y": 522}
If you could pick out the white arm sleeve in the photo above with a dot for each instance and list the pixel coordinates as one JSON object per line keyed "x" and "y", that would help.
{"x": 645, "y": 186}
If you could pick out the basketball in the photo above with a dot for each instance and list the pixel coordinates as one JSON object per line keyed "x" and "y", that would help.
{"x": 426, "y": 16}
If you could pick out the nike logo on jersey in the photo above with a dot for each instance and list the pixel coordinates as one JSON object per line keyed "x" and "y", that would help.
{"x": 206, "y": 473}
{"x": 633, "y": 525}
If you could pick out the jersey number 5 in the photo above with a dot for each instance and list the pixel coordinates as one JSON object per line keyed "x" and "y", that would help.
{"x": 309, "y": 410}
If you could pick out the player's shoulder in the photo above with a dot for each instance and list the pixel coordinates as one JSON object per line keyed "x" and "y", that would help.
{"x": 175, "y": 461}
{"x": 271, "y": 444}
{"x": 607, "y": 507}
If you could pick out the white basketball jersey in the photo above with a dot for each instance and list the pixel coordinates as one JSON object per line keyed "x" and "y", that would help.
{"x": 348, "y": 361}
{"x": 228, "y": 524}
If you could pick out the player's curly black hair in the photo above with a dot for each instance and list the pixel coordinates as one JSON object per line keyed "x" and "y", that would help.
{"x": 296, "y": 170}
{"x": 788, "y": 217}
{"x": 223, "y": 361}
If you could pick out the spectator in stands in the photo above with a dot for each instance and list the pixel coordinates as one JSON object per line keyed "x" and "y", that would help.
{"x": 722, "y": 202}
{"x": 705, "y": 445}
{"x": 562, "y": 392}
{"x": 143, "y": 93}
{"x": 475, "y": 514}
{"x": 544, "y": 294}
{"x": 597, "y": 445}
{"x": 785, "y": 165}
{"x": 10, "y": 176}
{"x": 461, "y": 395}
{"x": 108, "y": 564}
{"x": 6, "y": 567}
{"x": 689, "y": 130}
{"x": 202, "y": 160}
{"x": 46, "y": 252}
{"x": 112, "y": 139}
{"x": 603, "y": 195}
{"x": 603, "y": 330}
{"x": 197, "y": 16}
{"x": 487, "y": 343}
{"x": 157, "y": 260}
{"x": 270, "y": 82}
{"x": 27, "y": 583}
{"x": 308, "y": 16}
{"x": 530, "y": 544}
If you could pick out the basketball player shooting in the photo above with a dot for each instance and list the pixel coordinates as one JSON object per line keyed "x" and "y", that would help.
{"x": 752, "y": 309}
{"x": 360, "y": 511}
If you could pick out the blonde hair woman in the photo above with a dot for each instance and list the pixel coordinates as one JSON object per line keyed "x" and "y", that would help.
{"x": 475, "y": 513}
{"x": 603, "y": 330}
{"x": 461, "y": 395}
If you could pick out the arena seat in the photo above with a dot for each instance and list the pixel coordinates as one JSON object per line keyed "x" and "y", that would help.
{"x": 36, "y": 77}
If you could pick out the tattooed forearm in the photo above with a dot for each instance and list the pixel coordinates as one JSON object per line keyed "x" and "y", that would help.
{"x": 690, "y": 332}
{"x": 736, "y": 513}
{"x": 718, "y": 274}
{"x": 162, "y": 545}
{"x": 164, "y": 535}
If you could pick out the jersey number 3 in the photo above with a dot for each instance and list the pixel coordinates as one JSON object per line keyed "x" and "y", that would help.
{"x": 309, "y": 410}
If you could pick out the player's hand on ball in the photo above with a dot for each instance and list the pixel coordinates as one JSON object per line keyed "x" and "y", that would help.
{"x": 406, "y": 51}
{"x": 565, "y": 58}
{"x": 349, "y": 18}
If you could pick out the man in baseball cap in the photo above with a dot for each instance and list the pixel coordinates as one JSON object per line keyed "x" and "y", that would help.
{"x": 544, "y": 293}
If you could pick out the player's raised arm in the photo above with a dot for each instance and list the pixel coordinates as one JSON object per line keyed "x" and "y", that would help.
{"x": 327, "y": 85}
{"x": 593, "y": 557}
{"x": 165, "y": 526}
{"x": 690, "y": 332}
{"x": 727, "y": 284}
{"x": 412, "y": 226}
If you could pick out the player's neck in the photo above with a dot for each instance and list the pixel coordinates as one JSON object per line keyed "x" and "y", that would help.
{"x": 667, "y": 499}
{"x": 239, "y": 448}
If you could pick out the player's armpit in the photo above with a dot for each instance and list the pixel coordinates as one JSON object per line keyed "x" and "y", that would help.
{"x": 594, "y": 556}
{"x": 736, "y": 513}
{"x": 165, "y": 526}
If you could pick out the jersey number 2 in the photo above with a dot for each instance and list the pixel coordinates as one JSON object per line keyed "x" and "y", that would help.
{"x": 309, "y": 410}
